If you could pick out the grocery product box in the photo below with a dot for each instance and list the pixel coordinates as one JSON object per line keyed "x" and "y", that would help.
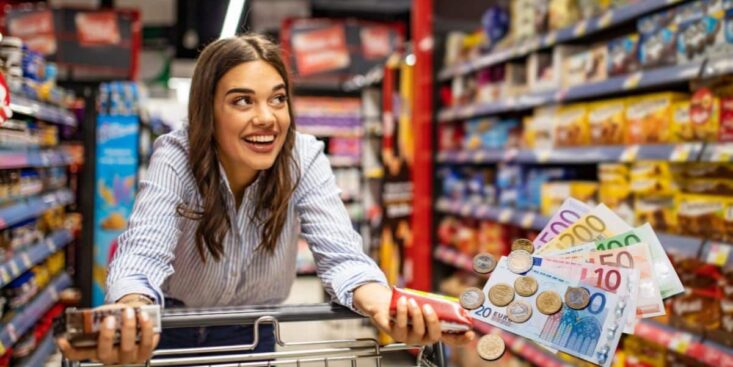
{"x": 700, "y": 32}
{"x": 648, "y": 117}
{"x": 541, "y": 71}
{"x": 681, "y": 128}
{"x": 623, "y": 55}
{"x": 563, "y": 13}
{"x": 725, "y": 133}
{"x": 706, "y": 216}
{"x": 571, "y": 127}
{"x": 659, "y": 211}
{"x": 542, "y": 127}
{"x": 607, "y": 122}
{"x": 585, "y": 66}
{"x": 615, "y": 189}
{"x": 593, "y": 8}
{"x": 555, "y": 193}
{"x": 705, "y": 115}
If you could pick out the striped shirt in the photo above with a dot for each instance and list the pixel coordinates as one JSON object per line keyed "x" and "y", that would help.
{"x": 157, "y": 254}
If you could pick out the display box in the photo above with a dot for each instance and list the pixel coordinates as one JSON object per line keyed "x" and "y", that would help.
{"x": 555, "y": 193}
{"x": 681, "y": 128}
{"x": 623, "y": 55}
{"x": 699, "y": 32}
{"x": 607, "y": 122}
{"x": 648, "y": 117}
{"x": 705, "y": 216}
{"x": 542, "y": 127}
{"x": 541, "y": 71}
{"x": 571, "y": 127}
{"x": 563, "y": 13}
{"x": 585, "y": 66}
{"x": 659, "y": 211}
{"x": 705, "y": 115}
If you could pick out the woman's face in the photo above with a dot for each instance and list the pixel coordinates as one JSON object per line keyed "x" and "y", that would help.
{"x": 251, "y": 117}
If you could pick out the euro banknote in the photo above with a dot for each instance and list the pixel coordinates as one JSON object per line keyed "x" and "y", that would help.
{"x": 570, "y": 211}
{"x": 598, "y": 224}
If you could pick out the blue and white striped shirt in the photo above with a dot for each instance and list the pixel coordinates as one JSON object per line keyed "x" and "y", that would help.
{"x": 157, "y": 254}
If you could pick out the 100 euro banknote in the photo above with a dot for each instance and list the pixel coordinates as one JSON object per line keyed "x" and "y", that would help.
{"x": 598, "y": 224}
{"x": 591, "y": 334}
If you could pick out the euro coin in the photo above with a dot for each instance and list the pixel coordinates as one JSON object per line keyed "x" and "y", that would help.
{"x": 484, "y": 263}
{"x": 519, "y": 311}
{"x": 577, "y": 298}
{"x": 490, "y": 347}
{"x": 472, "y": 298}
{"x": 525, "y": 286}
{"x": 523, "y": 244}
{"x": 519, "y": 261}
{"x": 501, "y": 295}
{"x": 549, "y": 302}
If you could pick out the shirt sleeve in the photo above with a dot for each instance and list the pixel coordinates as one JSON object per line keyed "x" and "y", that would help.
{"x": 144, "y": 256}
{"x": 337, "y": 248}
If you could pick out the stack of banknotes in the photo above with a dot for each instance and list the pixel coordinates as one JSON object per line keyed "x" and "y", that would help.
{"x": 583, "y": 282}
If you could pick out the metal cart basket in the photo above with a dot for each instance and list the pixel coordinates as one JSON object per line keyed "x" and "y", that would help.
{"x": 316, "y": 353}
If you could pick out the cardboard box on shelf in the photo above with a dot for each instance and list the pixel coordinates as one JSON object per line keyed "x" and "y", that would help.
{"x": 541, "y": 71}
{"x": 607, "y": 122}
{"x": 623, "y": 55}
{"x": 705, "y": 115}
{"x": 648, "y": 117}
{"x": 659, "y": 211}
{"x": 571, "y": 127}
{"x": 563, "y": 13}
{"x": 542, "y": 127}
{"x": 585, "y": 66}
{"x": 700, "y": 33}
{"x": 681, "y": 128}
{"x": 556, "y": 192}
{"x": 706, "y": 216}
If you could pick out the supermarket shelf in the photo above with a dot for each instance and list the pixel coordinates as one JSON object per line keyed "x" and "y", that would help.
{"x": 450, "y": 256}
{"x": 33, "y": 207}
{"x": 30, "y": 314}
{"x": 684, "y": 152}
{"x": 24, "y": 260}
{"x": 522, "y": 347}
{"x": 344, "y": 162}
{"x": 686, "y": 343}
{"x": 534, "y": 221}
{"x": 330, "y": 131}
{"x": 623, "y": 83}
{"x": 717, "y": 152}
{"x": 609, "y": 19}
{"x": 43, "y": 351}
{"x": 10, "y": 159}
{"x": 42, "y": 111}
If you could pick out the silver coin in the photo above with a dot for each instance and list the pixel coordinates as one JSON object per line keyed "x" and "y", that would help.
{"x": 519, "y": 311}
{"x": 519, "y": 261}
{"x": 484, "y": 263}
{"x": 472, "y": 298}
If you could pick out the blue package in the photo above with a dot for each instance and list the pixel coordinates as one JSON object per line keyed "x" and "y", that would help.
{"x": 658, "y": 49}
{"x": 696, "y": 36}
{"x": 652, "y": 23}
{"x": 623, "y": 55}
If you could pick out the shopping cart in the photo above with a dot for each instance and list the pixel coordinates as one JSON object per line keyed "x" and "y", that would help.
{"x": 314, "y": 353}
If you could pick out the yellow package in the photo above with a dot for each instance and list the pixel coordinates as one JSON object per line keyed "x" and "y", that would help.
{"x": 572, "y": 125}
{"x": 681, "y": 128}
{"x": 620, "y": 169}
{"x": 607, "y": 122}
{"x": 528, "y": 133}
{"x": 553, "y": 194}
{"x": 648, "y": 117}
{"x": 654, "y": 186}
{"x": 709, "y": 186}
{"x": 704, "y": 215}
{"x": 705, "y": 115}
{"x": 563, "y": 13}
{"x": 650, "y": 169}
{"x": 659, "y": 211}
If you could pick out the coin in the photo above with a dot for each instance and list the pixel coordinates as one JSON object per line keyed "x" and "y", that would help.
{"x": 549, "y": 302}
{"x": 577, "y": 298}
{"x": 525, "y": 286}
{"x": 484, "y": 263}
{"x": 472, "y": 298}
{"x": 501, "y": 295}
{"x": 519, "y": 261}
{"x": 523, "y": 244}
{"x": 490, "y": 347}
{"x": 519, "y": 311}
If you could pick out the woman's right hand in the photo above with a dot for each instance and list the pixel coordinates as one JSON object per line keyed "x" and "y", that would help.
{"x": 128, "y": 351}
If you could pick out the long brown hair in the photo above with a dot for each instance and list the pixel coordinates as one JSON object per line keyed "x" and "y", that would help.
{"x": 271, "y": 205}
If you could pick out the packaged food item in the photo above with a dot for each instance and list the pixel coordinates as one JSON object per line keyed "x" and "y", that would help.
{"x": 623, "y": 55}
{"x": 648, "y": 117}
{"x": 607, "y": 122}
{"x": 704, "y": 215}
{"x": 709, "y": 186}
{"x": 695, "y": 311}
{"x": 585, "y": 66}
{"x": 615, "y": 189}
{"x": 705, "y": 114}
{"x": 563, "y": 13}
{"x": 699, "y": 31}
{"x": 81, "y": 326}
{"x": 725, "y": 134}
{"x": 659, "y": 211}
{"x": 555, "y": 193}
{"x": 453, "y": 318}
{"x": 681, "y": 128}
{"x": 572, "y": 125}
{"x": 724, "y": 333}
{"x": 543, "y": 127}
{"x": 651, "y": 23}
{"x": 544, "y": 70}
{"x": 643, "y": 352}
{"x": 474, "y": 129}
{"x": 707, "y": 170}
{"x": 524, "y": 19}
{"x": 593, "y": 8}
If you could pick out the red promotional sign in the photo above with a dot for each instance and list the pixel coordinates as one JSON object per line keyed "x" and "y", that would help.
{"x": 36, "y": 30}
{"x": 321, "y": 50}
{"x": 97, "y": 28}
{"x": 375, "y": 42}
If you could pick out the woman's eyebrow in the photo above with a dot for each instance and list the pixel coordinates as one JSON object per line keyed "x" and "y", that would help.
{"x": 250, "y": 91}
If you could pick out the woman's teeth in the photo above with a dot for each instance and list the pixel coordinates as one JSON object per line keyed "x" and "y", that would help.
{"x": 263, "y": 139}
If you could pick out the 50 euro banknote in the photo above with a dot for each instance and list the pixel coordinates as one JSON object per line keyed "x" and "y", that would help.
{"x": 591, "y": 334}
{"x": 598, "y": 224}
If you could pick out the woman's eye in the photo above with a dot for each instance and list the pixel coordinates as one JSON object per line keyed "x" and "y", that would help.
{"x": 243, "y": 101}
{"x": 280, "y": 99}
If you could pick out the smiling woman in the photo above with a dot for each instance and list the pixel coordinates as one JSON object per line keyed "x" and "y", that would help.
{"x": 216, "y": 222}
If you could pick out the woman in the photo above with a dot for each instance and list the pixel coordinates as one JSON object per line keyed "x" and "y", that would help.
{"x": 217, "y": 219}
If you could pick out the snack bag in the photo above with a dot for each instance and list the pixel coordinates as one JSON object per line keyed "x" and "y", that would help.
{"x": 453, "y": 317}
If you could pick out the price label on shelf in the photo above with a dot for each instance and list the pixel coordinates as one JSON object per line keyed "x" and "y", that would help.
{"x": 543, "y": 155}
{"x": 681, "y": 153}
{"x": 5, "y": 276}
{"x": 12, "y": 333}
{"x": 505, "y": 215}
{"x": 468, "y": 111}
{"x": 26, "y": 260}
{"x": 680, "y": 342}
{"x": 50, "y": 245}
{"x": 550, "y": 38}
{"x": 630, "y": 153}
{"x": 510, "y": 154}
{"x": 632, "y": 81}
{"x": 479, "y": 156}
{"x": 560, "y": 95}
{"x": 580, "y": 28}
{"x": 718, "y": 254}
{"x": 527, "y": 220}
{"x": 722, "y": 153}
{"x": 605, "y": 20}
{"x": 14, "y": 271}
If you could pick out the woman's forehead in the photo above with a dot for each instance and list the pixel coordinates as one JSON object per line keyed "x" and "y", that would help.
{"x": 258, "y": 76}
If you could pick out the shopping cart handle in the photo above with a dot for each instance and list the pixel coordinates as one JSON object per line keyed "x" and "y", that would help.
{"x": 199, "y": 317}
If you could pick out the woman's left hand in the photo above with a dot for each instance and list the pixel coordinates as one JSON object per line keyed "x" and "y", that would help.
{"x": 374, "y": 300}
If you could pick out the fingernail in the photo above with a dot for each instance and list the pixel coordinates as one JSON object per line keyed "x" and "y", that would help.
{"x": 402, "y": 300}
{"x": 413, "y": 303}
{"x": 129, "y": 313}
{"x": 144, "y": 316}
{"x": 428, "y": 310}
{"x": 109, "y": 322}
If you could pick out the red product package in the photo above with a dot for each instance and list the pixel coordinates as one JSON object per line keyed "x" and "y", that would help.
{"x": 453, "y": 318}
{"x": 726, "y": 119}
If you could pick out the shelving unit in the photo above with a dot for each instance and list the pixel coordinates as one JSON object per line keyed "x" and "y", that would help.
{"x": 22, "y": 321}
{"x": 10, "y": 159}
{"x": 33, "y": 207}
{"x": 42, "y": 111}
{"x": 686, "y": 343}
{"x": 43, "y": 351}
{"x": 26, "y": 259}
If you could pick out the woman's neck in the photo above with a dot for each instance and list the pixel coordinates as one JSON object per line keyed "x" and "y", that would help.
{"x": 239, "y": 178}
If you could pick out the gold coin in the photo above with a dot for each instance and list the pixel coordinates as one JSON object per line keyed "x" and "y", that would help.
{"x": 501, "y": 295}
{"x": 491, "y": 347}
{"x": 484, "y": 263}
{"x": 577, "y": 298}
{"x": 525, "y": 286}
{"x": 549, "y": 302}
{"x": 523, "y": 244}
{"x": 472, "y": 298}
{"x": 519, "y": 311}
